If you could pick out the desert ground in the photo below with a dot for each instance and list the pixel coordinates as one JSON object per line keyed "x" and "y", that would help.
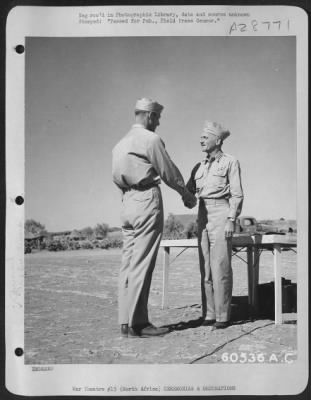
{"x": 71, "y": 313}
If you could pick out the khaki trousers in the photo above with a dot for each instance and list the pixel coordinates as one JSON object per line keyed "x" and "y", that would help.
{"x": 215, "y": 260}
{"x": 142, "y": 226}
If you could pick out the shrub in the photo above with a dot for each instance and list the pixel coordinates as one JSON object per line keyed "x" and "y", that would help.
{"x": 57, "y": 245}
{"x": 116, "y": 243}
{"x": 173, "y": 229}
{"x": 64, "y": 244}
{"x": 111, "y": 243}
{"x": 105, "y": 244}
{"x": 86, "y": 244}
{"x": 96, "y": 243}
{"x": 74, "y": 245}
{"x": 191, "y": 230}
{"x": 101, "y": 230}
{"x": 27, "y": 248}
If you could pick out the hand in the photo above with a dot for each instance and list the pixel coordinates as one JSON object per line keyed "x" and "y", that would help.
{"x": 229, "y": 228}
{"x": 189, "y": 205}
{"x": 189, "y": 199}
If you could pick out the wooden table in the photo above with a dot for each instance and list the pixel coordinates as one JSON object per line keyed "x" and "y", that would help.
{"x": 252, "y": 245}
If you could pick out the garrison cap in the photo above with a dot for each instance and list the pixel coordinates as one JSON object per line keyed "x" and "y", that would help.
{"x": 216, "y": 129}
{"x": 145, "y": 104}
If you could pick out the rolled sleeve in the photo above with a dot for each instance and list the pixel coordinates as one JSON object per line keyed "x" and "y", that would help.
{"x": 236, "y": 191}
{"x": 164, "y": 166}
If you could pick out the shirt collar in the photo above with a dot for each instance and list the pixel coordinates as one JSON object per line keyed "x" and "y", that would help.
{"x": 216, "y": 157}
{"x": 138, "y": 126}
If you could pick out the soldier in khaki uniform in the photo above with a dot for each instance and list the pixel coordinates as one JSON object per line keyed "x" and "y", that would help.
{"x": 139, "y": 163}
{"x": 217, "y": 183}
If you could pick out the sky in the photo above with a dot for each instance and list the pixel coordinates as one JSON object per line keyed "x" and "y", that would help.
{"x": 80, "y": 95}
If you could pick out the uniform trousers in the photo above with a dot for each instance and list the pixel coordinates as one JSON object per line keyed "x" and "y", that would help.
{"x": 215, "y": 259}
{"x": 142, "y": 225}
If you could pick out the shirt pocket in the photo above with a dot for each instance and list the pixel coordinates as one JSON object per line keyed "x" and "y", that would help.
{"x": 198, "y": 178}
{"x": 220, "y": 176}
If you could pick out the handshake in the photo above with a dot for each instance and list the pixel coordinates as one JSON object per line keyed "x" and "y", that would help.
{"x": 189, "y": 199}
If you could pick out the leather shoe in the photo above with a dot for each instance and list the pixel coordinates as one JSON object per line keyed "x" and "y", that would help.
{"x": 132, "y": 333}
{"x": 208, "y": 322}
{"x": 135, "y": 331}
{"x": 146, "y": 331}
{"x": 221, "y": 325}
{"x": 151, "y": 330}
{"x": 124, "y": 330}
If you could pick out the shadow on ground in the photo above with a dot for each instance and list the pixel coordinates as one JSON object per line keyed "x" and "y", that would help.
{"x": 240, "y": 312}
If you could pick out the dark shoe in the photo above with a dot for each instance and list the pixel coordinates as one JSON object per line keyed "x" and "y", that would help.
{"x": 124, "y": 330}
{"x": 150, "y": 331}
{"x": 135, "y": 331}
{"x": 146, "y": 331}
{"x": 221, "y": 325}
{"x": 208, "y": 322}
{"x": 132, "y": 333}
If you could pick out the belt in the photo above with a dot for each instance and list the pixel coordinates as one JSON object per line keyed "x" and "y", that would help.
{"x": 211, "y": 202}
{"x": 140, "y": 188}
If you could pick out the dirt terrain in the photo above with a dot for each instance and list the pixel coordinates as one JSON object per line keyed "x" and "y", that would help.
{"x": 71, "y": 314}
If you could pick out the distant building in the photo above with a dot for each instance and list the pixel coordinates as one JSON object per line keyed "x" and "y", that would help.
{"x": 76, "y": 235}
{"x": 63, "y": 235}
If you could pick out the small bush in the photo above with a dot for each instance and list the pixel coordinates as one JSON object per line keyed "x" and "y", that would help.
{"x": 111, "y": 243}
{"x": 86, "y": 244}
{"x": 173, "y": 228}
{"x": 105, "y": 244}
{"x": 74, "y": 245}
{"x": 95, "y": 243}
{"x": 116, "y": 243}
{"x": 57, "y": 245}
{"x": 191, "y": 230}
{"x": 64, "y": 244}
{"x": 27, "y": 248}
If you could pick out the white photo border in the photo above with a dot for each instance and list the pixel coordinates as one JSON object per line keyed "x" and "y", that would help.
{"x": 63, "y": 22}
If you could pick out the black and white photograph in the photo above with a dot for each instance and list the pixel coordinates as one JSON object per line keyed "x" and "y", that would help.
{"x": 155, "y": 210}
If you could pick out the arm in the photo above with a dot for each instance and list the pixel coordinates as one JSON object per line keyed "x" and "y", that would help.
{"x": 236, "y": 191}
{"x": 168, "y": 171}
{"x": 236, "y": 199}
{"x": 191, "y": 186}
{"x": 164, "y": 166}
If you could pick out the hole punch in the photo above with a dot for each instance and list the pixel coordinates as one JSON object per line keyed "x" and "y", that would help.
{"x": 19, "y": 351}
{"x": 19, "y": 200}
{"x": 20, "y": 49}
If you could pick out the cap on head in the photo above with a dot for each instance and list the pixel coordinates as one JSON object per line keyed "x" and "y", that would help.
{"x": 216, "y": 129}
{"x": 149, "y": 105}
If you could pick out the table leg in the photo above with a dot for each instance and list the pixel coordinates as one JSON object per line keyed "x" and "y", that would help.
{"x": 255, "y": 279}
{"x": 250, "y": 278}
{"x": 277, "y": 284}
{"x": 166, "y": 261}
